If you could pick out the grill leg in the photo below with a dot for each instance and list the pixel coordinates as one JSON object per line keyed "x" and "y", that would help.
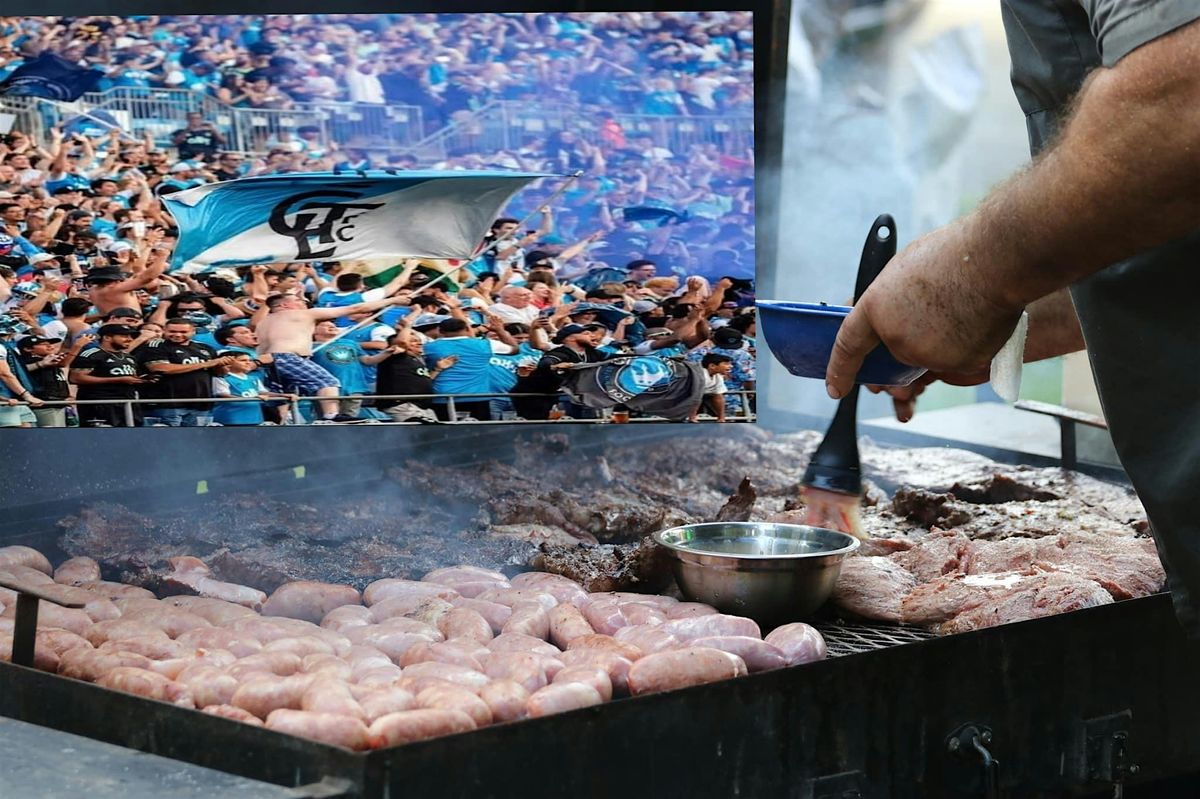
{"x": 1068, "y": 456}
{"x": 25, "y": 630}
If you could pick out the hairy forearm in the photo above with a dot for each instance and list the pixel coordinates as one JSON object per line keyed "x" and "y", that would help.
{"x": 1120, "y": 178}
{"x": 1053, "y": 327}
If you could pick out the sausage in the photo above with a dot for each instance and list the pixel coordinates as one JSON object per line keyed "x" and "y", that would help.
{"x": 326, "y": 728}
{"x": 44, "y": 658}
{"x": 799, "y": 642}
{"x": 594, "y": 676}
{"x": 155, "y": 647}
{"x": 459, "y": 675}
{"x": 518, "y": 642}
{"x": 91, "y": 665}
{"x": 648, "y": 638}
{"x": 561, "y": 697}
{"x": 680, "y": 668}
{"x": 282, "y": 664}
{"x": 217, "y": 611}
{"x": 300, "y": 645}
{"x": 407, "y": 726}
{"x": 495, "y": 613}
{"x": 378, "y": 677}
{"x": 76, "y": 571}
{"x": 172, "y": 621}
{"x": 455, "y": 697}
{"x": 382, "y": 701}
{"x": 512, "y": 596}
{"x": 451, "y": 574}
{"x": 24, "y": 556}
{"x": 431, "y": 611}
{"x": 616, "y": 666}
{"x": 347, "y": 616}
{"x": 710, "y": 625}
{"x": 653, "y": 600}
{"x": 607, "y": 643}
{"x": 327, "y": 666}
{"x": 392, "y": 588}
{"x": 330, "y": 695}
{"x": 759, "y": 655}
{"x": 115, "y": 591}
{"x": 520, "y": 667}
{"x": 192, "y": 576}
{"x": 309, "y": 600}
{"x": 438, "y": 653}
{"x": 116, "y": 629}
{"x": 567, "y": 622}
{"x": 266, "y": 693}
{"x": 689, "y": 610}
{"x": 234, "y": 713}
{"x": 529, "y": 618}
{"x": 393, "y": 644}
{"x": 564, "y": 589}
{"x": 220, "y": 638}
{"x": 465, "y": 623}
{"x": 50, "y": 615}
{"x": 145, "y": 683}
{"x": 506, "y": 699}
{"x": 61, "y": 641}
{"x": 605, "y": 616}
{"x": 209, "y": 685}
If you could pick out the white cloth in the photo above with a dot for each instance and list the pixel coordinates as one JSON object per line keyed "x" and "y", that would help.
{"x": 364, "y": 88}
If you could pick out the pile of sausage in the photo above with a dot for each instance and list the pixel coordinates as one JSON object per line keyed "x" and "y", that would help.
{"x": 405, "y": 660}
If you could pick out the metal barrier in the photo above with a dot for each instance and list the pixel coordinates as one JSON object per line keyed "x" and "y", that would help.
{"x": 503, "y": 124}
{"x": 747, "y": 413}
{"x": 160, "y": 112}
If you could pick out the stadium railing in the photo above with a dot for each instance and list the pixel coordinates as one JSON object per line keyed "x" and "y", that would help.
{"x": 744, "y": 414}
{"x": 160, "y": 112}
{"x": 503, "y": 124}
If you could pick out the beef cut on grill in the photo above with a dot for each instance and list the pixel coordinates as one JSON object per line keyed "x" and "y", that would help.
{"x": 587, "y": 515}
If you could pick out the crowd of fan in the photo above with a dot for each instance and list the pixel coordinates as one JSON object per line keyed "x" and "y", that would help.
{"x": 601, "y": 66}
{"x": 648, "y": 251}
{"x": 504, "y": 326}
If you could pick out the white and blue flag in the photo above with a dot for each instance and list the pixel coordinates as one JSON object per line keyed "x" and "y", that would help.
{"x": 322, "y": 216}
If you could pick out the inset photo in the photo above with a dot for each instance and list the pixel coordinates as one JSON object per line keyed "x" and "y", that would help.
{"x": 409, "y": 219}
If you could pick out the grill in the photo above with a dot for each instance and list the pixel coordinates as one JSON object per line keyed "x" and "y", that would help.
{"x": 844, "y": 638}
{"x": 871, "y": 721}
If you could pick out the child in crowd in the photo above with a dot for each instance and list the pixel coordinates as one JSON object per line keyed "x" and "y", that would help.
{"x": 715, "y": 368}
{"x": 238, "y": 382}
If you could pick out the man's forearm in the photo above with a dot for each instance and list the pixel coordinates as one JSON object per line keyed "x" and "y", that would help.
{"x": 1120, "y": 178}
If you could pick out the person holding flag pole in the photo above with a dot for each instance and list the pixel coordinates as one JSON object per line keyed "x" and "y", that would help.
{"x": 570, "y": 179}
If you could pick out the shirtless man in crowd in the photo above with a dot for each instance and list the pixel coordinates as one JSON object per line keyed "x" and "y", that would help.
{"x": 286, "y": 335}
{"x": 109, "y": 287}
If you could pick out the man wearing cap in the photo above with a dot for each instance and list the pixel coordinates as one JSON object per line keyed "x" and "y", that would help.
{"x": 46, "y": 364}
{"x": 185, "y": 368}
{"x": 730, "y": 342}
{"x": 109, "y": 287}
{"x": 105, "y": 370}
{"x": 576, "y": 344}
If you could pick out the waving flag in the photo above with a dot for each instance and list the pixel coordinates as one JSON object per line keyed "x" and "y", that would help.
{"x": 322, "y": 216}
{"x": 52, "y": 77}
{"x": 666, "y": 387}
{"x": 653, "y": 215}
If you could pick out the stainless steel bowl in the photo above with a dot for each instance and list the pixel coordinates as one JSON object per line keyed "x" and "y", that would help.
{"x": 773, "y": 573}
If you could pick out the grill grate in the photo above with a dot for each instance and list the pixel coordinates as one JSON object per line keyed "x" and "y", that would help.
{"x": 850, "y": 639}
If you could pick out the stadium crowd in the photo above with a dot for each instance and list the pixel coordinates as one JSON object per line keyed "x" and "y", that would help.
{"x": 649, "y": 252}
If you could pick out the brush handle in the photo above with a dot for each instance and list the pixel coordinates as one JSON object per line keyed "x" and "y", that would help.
{"x": 835, "y": 465}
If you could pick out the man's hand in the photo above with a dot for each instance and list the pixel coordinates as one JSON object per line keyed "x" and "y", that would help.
{"x": 82, "y": 341}
{"x": 447, "y": 362}
{"x": 933, "y": 306}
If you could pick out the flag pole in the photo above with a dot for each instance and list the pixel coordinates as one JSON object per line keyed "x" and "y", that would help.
{"x": 557, "y": 193}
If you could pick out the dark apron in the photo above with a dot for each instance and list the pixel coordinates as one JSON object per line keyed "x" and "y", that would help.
{"x": 1140, "y": 317}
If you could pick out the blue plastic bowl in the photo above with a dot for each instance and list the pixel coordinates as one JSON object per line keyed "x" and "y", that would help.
{"x": 800, "y": 336}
